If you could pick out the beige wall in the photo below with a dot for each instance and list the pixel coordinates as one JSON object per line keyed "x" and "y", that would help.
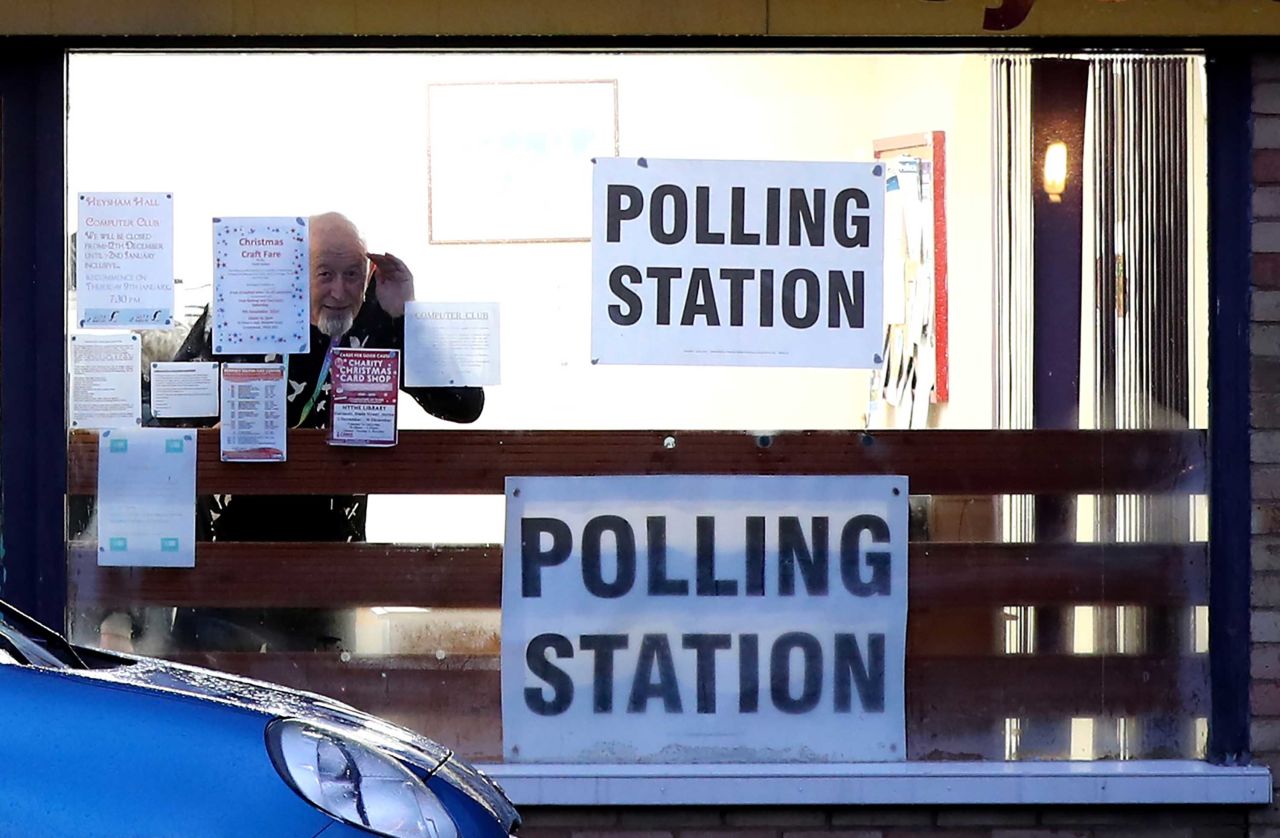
{"x": 951, "y": 93}
{"x": 639, "y": 17}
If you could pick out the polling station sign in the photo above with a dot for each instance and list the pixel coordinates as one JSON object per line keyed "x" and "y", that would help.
{"x": 670, "y": 619}
{"x": 740, "y": 263}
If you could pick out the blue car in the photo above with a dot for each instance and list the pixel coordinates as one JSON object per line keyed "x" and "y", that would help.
{"x": 100, "y": 744}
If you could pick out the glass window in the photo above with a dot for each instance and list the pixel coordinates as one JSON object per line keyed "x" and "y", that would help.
{"x": 1055, "y": 351}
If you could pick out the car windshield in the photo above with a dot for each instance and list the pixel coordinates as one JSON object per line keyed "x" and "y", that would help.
{"x": 25, "y": 650}
{"x": 34, "y": 643}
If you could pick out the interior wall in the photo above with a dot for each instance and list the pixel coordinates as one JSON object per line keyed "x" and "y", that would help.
{"x": 296, "y": 134}
{"x": 951, "y": 93}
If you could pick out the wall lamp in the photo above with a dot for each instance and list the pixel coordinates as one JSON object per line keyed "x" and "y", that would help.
{"x": 1055, "y": 171}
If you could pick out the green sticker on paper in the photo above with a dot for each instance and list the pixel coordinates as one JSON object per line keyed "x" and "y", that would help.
{"x": 116, "y": 544}
{"x": 119, "y": 446}
{"x": 168, "y": 545}
{"x": 173, "y": 446}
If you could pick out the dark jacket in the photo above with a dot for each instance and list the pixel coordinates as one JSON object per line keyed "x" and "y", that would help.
{"x": 316, "y": 517}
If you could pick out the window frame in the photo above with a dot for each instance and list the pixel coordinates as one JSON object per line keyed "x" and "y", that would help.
{"x": 33, "y": 451}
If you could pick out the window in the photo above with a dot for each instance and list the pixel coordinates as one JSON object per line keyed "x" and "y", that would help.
{"x": 1059, "y": 556}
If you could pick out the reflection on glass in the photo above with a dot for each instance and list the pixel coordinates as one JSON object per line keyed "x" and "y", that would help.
{"x": 1041, "y": 626}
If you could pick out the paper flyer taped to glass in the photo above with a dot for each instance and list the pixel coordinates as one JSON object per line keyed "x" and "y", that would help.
{"x": 184, "y": 389}
{"x": 147, "y": 497}
{"x": 363, "y": 397}
{"x": 106, "y": 380}
{"x": 124, "y": 260}
{"x": 451, "y": 344}
{"x": 255, "y": 419}
{"x": 261, "y": 286}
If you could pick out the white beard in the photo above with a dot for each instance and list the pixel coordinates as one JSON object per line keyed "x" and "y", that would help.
{"x": 335, "y": 325}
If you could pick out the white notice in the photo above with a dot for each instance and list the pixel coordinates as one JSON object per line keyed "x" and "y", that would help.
{"x": 255, "y": 420}
{"x": 106, "y": 380}
{"x": 704, "y": 619}
{"x": 451, "y": 344}
{"x": 124, "y": 260}
{"x": 737, "y": 263}
{"x": 184, "y": 389}
{"x": 261, "y": 286}
{"x": 147, "y": 497}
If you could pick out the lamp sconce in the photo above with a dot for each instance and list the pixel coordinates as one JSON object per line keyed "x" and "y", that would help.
{"x": 1055, "y": 171}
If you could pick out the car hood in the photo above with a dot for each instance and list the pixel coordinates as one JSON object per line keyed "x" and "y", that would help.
{"x": 274, "y": 700}
{"x": 415, "y": 750}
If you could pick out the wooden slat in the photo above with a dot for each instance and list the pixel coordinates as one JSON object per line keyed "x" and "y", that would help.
{"x": 1057, "y": 685}
{"x": 292, "y": 575}
{"x": 340, "y": 575}
{"x": 946, "y": 574}
{"x": 458, "y": 700}
{"x": 476, "y": 462}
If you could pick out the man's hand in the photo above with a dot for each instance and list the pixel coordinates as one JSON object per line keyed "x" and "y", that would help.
{"x": 393, "y": 283}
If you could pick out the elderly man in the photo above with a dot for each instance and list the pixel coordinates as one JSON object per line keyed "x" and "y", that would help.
{"x": 340, "y": 276}
{"x": 357, "y": 300}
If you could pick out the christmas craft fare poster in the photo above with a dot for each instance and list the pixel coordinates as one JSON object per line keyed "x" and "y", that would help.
{"x": 261, "y": 286}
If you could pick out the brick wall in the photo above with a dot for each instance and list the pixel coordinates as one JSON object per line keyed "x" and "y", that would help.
{"x": 879, "y": 822}
{"x": 1264, "y": 385}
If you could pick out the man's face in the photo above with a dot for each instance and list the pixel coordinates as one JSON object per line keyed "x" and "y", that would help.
{"x": 339, "y": 271}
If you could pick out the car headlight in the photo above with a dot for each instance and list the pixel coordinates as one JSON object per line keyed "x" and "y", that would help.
{"x": 355, "y": 782}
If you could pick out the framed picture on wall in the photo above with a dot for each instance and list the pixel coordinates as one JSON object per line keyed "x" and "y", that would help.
{"x": 511, "y": 161}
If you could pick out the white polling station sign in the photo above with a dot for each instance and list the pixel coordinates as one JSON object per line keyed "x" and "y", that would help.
{"x": 672, "y": 619}
{"x": 742, "y": 263}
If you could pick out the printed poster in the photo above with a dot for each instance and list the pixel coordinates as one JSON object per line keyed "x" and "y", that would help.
{"x": 106, "y": 380}
{"x": 737, "y": 263}
{"x": 766, "y": 622}
{"x": 182, "y": 389}
{"x": 255, "y": 420}
{"x": 124, "y": 260}
{"x": 365, "y": 389}
{"x": 147, "y": 497}
{"x": 261, "y": 286}
{"x": 451, "y": 344}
